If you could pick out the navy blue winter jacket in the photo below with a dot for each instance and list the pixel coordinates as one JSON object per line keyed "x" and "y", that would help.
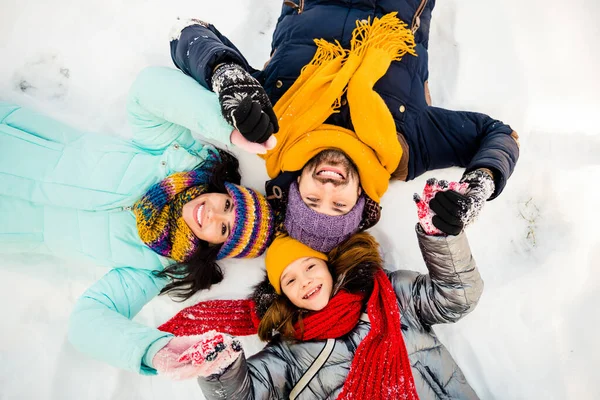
{"x": 436, "y": 138}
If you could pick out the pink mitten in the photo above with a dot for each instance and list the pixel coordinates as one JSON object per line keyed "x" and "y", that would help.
{"x": 166, "y": 360}
{"x": 213, "y": 353}
{"x": 425, "y": 213}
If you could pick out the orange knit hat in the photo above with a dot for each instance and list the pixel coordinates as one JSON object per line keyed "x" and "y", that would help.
{"x": 283, "y": 251}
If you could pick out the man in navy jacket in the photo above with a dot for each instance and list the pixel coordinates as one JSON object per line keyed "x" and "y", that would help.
{"x": 430, "y": 137}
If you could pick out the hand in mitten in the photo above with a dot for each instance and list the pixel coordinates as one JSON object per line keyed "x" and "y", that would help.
{"x": 244, "y": 103}
{"x": 427, "y": 216}
{"x": 456, "y": 210}
{"x": 166, "y": 360}
{"x": 213, "y": 354}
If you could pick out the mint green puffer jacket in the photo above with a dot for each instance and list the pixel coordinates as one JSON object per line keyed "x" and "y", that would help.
{"x": 69, "y": 193}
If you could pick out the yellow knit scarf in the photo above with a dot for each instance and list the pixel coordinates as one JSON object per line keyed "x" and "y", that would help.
{"x": 317, "y": 93}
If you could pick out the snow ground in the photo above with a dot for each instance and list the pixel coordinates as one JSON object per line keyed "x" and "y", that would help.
{"x": 531, "y": 63}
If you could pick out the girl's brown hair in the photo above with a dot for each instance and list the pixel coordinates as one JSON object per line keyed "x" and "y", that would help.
{"x": 352, "y": 265}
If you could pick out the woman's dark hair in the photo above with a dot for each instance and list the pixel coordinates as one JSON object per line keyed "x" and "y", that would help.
{"x": 352, "y": 264}
{"x": 201, "y": 271}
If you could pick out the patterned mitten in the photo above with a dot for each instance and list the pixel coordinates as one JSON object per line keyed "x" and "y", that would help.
{"x": 456, "y": 210}
{"x": 244, "y": 103}
{"x": 427, "y": 216}
{"x": 213, "y": 354}
{"x": 166, "y": 360}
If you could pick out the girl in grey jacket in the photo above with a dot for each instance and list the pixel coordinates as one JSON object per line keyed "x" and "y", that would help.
{"x": 335, "y": 333}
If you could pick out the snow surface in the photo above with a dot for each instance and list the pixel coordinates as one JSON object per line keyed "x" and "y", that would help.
{"x": 531, "y": 63}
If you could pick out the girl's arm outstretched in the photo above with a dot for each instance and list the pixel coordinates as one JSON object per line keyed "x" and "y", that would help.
{"x": 452, "y": 287}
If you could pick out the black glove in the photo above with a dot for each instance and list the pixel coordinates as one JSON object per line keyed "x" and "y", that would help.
{"x": 454, "y": 211}
{"x": 244, "y": 103}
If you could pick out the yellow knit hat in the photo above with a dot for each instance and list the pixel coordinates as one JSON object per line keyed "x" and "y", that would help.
{"x": 283, "y": 251}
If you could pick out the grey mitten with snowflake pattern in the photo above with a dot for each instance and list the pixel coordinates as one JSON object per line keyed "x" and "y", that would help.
{"x": 244, "y": 102}
{"x": 454, "y": 211}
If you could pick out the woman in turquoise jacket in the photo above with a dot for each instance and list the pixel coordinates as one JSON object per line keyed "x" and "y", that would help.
{"x": 162, "y": 201}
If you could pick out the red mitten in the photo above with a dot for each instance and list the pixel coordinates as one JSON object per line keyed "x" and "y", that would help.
{"x": 425, "y": 213}
{"x": 213, "y": 354}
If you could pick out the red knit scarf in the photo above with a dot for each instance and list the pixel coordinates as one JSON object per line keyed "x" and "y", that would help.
{"x": 235, "y": 317}
{"x": 337, "y": 319}
{"x": 380, "y": 368}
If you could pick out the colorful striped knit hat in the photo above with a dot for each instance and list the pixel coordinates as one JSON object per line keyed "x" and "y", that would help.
{"x": 254, "y": 226}
{"x": 161, "y": 226}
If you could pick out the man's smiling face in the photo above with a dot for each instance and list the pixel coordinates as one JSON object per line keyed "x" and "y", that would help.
{"x": 329, "y": 183}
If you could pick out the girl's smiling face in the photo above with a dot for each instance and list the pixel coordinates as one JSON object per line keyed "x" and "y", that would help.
{"x": 308, "y": 283}
{"x": 210, "y": 216}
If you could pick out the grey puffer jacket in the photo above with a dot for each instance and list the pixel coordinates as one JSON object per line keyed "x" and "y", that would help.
{"x": 450, "y": 291}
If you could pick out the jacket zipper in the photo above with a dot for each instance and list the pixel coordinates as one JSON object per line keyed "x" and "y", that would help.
{"x": 416, "y": 21}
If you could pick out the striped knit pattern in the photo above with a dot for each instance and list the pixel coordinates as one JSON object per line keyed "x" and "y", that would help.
{"x": 161, "y": 226}
{"x": 254, "y": 225}
{"x": 159, "y": 218}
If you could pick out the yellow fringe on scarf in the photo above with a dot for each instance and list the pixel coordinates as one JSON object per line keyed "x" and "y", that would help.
{"x": 317, "y": 93}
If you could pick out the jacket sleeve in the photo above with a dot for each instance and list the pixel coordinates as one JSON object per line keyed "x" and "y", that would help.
{"x": 466, "y": 139}
{"x": 164, "y": 105}
{"x": 101, "y": 323}
{"x": 263, "y": 376}
{"x": 198, "y": 47}
{"x": 452, "y": 287}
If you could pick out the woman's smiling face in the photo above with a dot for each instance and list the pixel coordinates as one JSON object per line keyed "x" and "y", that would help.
{"x": 308, "y": 283}
{"x": 210, "y": 216}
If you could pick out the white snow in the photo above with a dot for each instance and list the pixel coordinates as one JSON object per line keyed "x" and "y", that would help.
{"x": 531, "y": 63}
